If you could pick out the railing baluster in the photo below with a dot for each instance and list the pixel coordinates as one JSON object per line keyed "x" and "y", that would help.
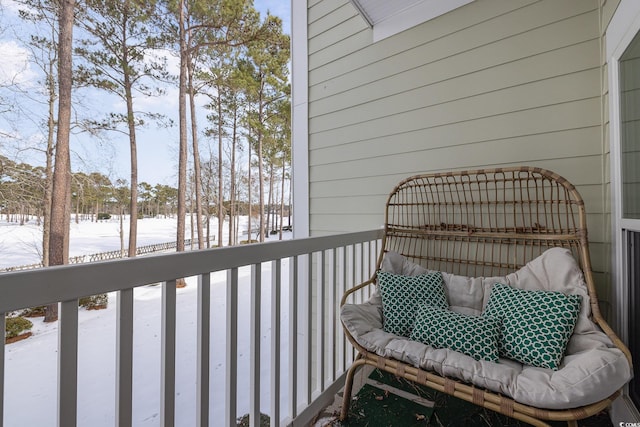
{"x": 293, "y": 336}
{"x": 204, "y": 346}
{"x": 320, "y": 321}
{"x": 354, "y": 281}
{"x": 309, "y": 350}
{"x": 276, "y": 280}
{"x": 331, "y": 317}
{"x": 360, "y": 263}
{"x": 168, "y": 360}
{"x": 231, "y": 375}
{"x": 124, "y": 358}
{"x": 68, "y": 364}
{"x": 373, "y": 262}
{"x": 341, "y": 275}
{"x": 254, "y": 369}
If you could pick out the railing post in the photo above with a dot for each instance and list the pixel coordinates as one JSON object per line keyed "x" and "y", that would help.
{"x": 231, "y": 377}
{"x": 293, "y": 336}
{"x": 68, "y": 364}
{"x": 168, "y": 362}
{"x": 275, "y": 342}
{"x": 124, "y": 358}
{"x": 254, "y": 345}
{"x": 203, "y": 350}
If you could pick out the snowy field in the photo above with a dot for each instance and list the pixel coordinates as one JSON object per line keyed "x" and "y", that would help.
{"x": 21, "y": 244}
{"x": 31, "y": 364}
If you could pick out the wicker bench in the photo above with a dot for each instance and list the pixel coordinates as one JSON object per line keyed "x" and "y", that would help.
{"x": 477, "y": 227}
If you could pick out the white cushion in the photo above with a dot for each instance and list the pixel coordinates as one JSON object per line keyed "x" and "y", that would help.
{"x": 592, "y": 369}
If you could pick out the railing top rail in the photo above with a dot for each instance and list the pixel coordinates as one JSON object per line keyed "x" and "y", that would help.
{"x": 43, "y": 286}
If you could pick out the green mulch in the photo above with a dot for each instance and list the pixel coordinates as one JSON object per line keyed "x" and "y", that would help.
{"x": 373, "y": 407}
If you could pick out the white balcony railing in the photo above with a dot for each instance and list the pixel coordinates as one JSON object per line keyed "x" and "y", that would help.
{"x": 307, "y": 354}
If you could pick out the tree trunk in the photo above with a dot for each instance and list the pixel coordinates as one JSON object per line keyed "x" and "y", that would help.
{"x": 260, "y": 168}
{"x": 232, "y": 185}
{"x": 196, "y": 156}
{"x": 182, "y": 119}
{"x": 271, "y": 202}
{"x": 249, "y": 197}
{"x": 133, "y": 202}
{"x": 220, "y": 186}
{"x": 192, "y": 236}
{"x": 182, "y": 125}
{"x": 77, "y": 215}
{"x": 122, "y": 253}
{"x": 208, "y": 230}
{"x": 282, "y": 196}
{"x": 290, "y": 206}
{"x": 48, "y": 184}
{"x": 61, "y": 194}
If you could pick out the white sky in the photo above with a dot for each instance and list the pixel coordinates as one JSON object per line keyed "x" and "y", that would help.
{"x": 157, "y": 147}
{"x": 15, "y": 65}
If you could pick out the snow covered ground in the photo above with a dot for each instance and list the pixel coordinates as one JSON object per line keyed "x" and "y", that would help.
{"x": 21, "y": 244}
{"x": 31, "y": 364}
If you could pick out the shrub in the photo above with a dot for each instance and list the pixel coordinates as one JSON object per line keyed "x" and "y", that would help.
{"x": 14, "y": 326}
{"x": 243, "y": 421}
{"x": 33, "y": 311}
{"x": 94, "y": 302}
{"x": 104, "y": 215}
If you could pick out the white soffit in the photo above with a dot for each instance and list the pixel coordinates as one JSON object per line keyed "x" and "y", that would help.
{"x": 391, "y": 17}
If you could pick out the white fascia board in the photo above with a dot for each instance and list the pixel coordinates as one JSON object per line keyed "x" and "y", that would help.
{"x": 361, "y": 10}
{"x": 623, "y": 26}
{"x": 415, "y": 15}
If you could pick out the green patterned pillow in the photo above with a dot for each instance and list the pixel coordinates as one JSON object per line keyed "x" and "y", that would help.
{"x": 536, "y": 325}
{"x": 475, "y": 336}
{"x": 402, "y": 295}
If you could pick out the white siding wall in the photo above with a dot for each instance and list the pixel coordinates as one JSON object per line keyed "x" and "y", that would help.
{"x": 493, "y": 83}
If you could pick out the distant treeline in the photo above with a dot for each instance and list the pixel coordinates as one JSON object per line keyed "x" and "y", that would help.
{"x": 95, "y": 197}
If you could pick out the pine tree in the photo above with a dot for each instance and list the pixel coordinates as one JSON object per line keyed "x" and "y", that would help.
{"x": 123, "y": 36}
{"x": 61, "y": 194}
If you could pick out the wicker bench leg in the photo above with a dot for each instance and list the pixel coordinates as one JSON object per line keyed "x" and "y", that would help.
{"x": 572, "y": 423}
{"x": 348, "y": 386}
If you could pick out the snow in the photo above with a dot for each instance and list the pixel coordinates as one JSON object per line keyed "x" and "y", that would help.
{"x": 31, "y": 364}
{"x": 21, "y": 244}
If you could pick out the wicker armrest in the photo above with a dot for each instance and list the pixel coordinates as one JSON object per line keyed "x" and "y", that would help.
{"x": 356, "y": 288}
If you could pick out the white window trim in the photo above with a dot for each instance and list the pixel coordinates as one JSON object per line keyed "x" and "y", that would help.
{"x": 415, "y": 15}
{"x": 623, "y": 26}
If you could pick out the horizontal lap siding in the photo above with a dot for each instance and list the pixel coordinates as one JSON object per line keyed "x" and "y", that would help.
{"x": 493, "y": 83}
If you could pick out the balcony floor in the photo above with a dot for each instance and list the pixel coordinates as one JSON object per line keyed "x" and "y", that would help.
{"x": 383, "y": 400}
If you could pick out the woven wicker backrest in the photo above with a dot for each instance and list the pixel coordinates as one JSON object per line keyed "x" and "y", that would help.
{"x": 485, "y": 222}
